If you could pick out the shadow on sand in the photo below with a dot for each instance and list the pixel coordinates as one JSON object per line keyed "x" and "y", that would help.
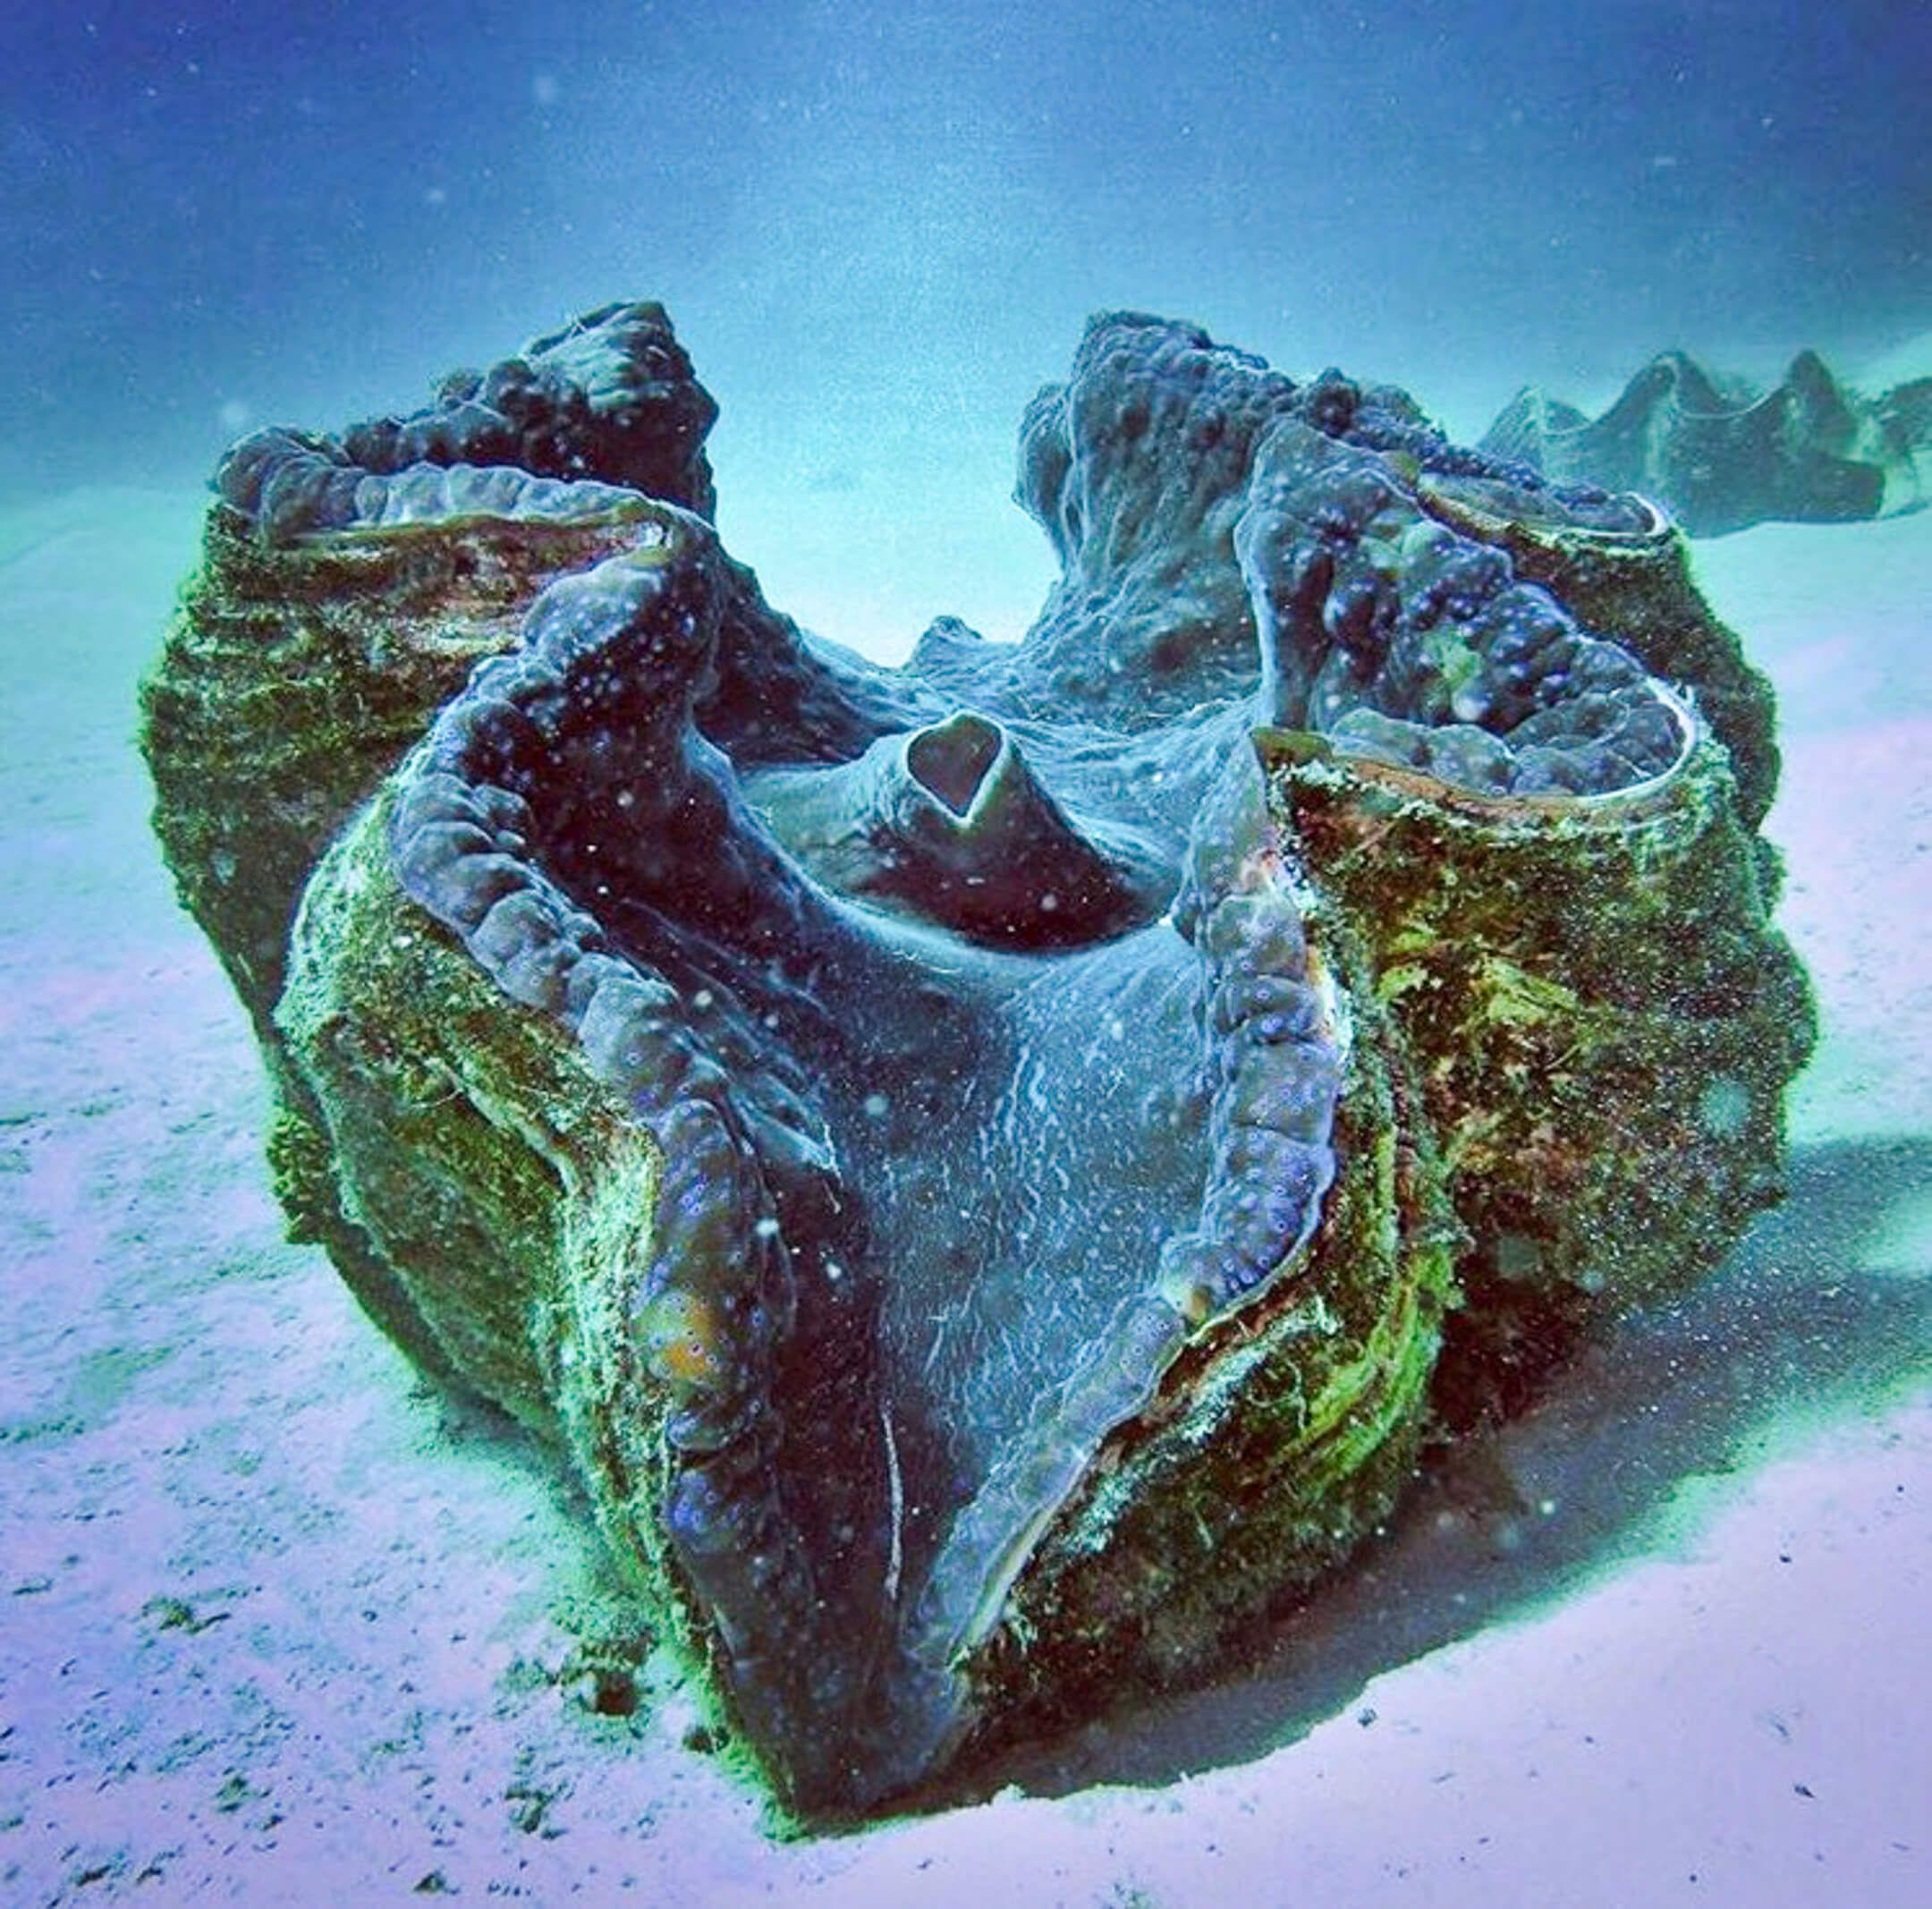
{"x": 1820, "y": 1314}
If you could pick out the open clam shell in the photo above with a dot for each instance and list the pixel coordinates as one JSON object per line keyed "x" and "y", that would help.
{"x": 977, "y": 1165}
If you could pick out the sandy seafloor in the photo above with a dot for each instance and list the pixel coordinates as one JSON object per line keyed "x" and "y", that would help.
{"x": 277, "y": 1624}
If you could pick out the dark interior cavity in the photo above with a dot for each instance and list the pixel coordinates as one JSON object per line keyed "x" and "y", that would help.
{"x": 952, "y": 759}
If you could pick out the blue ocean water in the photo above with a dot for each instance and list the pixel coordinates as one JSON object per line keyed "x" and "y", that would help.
{"x": 878, "y": 226}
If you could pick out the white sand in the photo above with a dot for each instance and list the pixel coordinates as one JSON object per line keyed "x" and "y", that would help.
{"x": 1666, "y": 1644}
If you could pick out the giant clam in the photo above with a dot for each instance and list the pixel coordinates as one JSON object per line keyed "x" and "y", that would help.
{"x": 987, "y": 1171}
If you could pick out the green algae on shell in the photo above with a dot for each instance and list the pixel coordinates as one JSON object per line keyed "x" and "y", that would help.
{"x": 1602, "y": 1019}
{"x": 293, "y": 677}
